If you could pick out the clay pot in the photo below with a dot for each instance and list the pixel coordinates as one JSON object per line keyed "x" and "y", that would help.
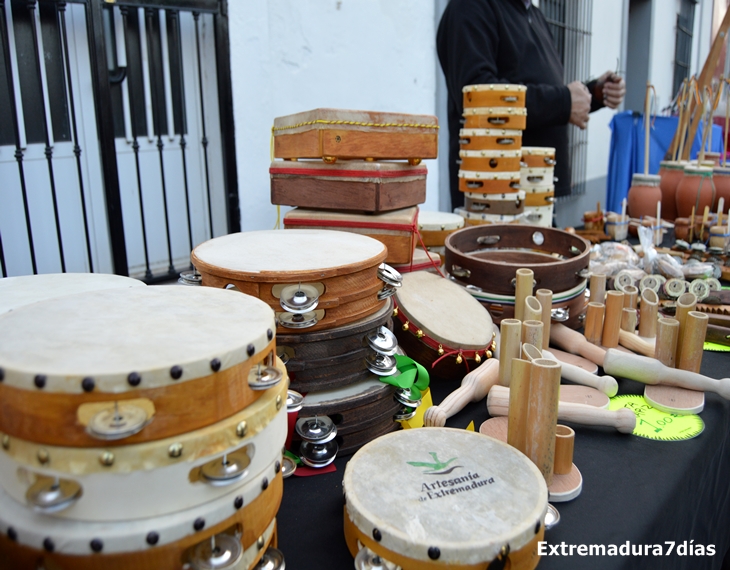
{"x": 671, "y": 173}
{"x": 695, "y": 190}
{"x": 721, "y": 179}
{"x": 644, "y": 195}
{"x": 713, "y": 157}
{"x": 681, "y": 228}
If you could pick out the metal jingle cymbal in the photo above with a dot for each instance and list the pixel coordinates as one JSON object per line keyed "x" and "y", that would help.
{"x": 389, "y": 275}
{"x": 366, "y": 559}
{"x": 221, "y": 551}
{"x": 294, "y": 401}
{"x": 264, "y": 377}
{"x": 299, "y": 299}
{"x": 117, "y": 422}
{"x": 227, "y": 469}
{"x": 318, "y": 455}
{"x": 298, "y": 320}
{"x": 318, "y": 429}
{"x": 49, "y": 495}
{"x": 273, "y": 559}
{"x": 405, "y": 397}
{"x": 383, "y": 341}
{"x": 381, "y": 364}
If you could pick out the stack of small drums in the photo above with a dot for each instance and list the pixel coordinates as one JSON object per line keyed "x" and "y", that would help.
{"x": 537, "y": 182}
{"x": 331, "y": 294}
{"x": 491, "y": 153}
{"x": 142, "y": 428}
{"x": 435, "y": 227}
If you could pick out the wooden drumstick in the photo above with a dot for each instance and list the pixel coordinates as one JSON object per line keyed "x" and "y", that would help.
{"x": 623, "y": 419}
{"x": 636, "y": 343}
{"x": 509, "y": 348}
{"x": 594, "y": 322}
{"x": 628, "y": 320}
{"x": 532, "y": 332}
{"x": 474, "y": 387}
{"x": 631, "y": 296}
{"x": 687, "y": 302}
{"x": 693, "y": 340}
{"x": 524, "y": 280}
{"x": 650, "y": 371}
{"x": 597, "y": 287}
{"x": 517, "y": 397}
{"x": 666, "y": 341}
{"x": 545, "y": 296}
{"x": 542, "y": 415}
{"x": 648, "y": 313}
{"x": 575, "y": 343}
{"x": 612, "y": 319}
{"x": 605, "y": 384}
{"x": 532, "y": 310}
{"x": 564, "y": 443}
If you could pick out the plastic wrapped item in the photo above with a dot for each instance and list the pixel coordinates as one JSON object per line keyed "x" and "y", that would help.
{"x": 694, "y": 269}
{"x": 668, "y": 266}
{"x": 611, "y": 257}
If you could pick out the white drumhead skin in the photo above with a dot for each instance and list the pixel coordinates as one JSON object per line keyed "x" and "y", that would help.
{"x": 108, "y": 334}
{"x": 444, "y": 311}
{"x": 430, "y": 221}
{"x": 495, "y": 111}
{"x": 288, "y": 250}
{"x": 18, "y": 291}
{"x": 490, "y": 133}
{"x": 538, "y": 151}
{"x": 72, "y": 537}
{"x": 462, "y": 492}
{"x": 519, "y": 195}
{"x": 372, "y": 384}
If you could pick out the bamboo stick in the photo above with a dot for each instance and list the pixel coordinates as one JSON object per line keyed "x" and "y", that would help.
{"x": 509, "y": 348}
{"x": 532, "y": 310}
{"x": 532, "y": 332}
{"x": 628, "y": 320}
{"x": 693, "y": 340}
{"x": 545, "y": 296}
{"x": 598, "y": 288}
{"x": 524, "y": 279}
{"x": 631, "y": 296}
{"x": 666, "y": 341}
{"x": 612, "y": 319}
{"x": 564, "y": 444}
{"x": 542, "y": 416}
{"x": 648, "y": 313}
{"x": 594, "y": 322}
{"x": 687, "y": 302}
{"x": 519, "y": 395}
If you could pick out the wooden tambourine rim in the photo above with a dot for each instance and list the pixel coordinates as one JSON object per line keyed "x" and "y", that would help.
{"x": 506, "y": 196}
{"x": 496, "y": 87}
{"x": 381, "y": 172}
{"x": 489, "y": 218}
{"x": 447, "y": 224}
{"x": 495, "y": 111}
{"x": 351, "y": 119}
{"x": 490, "y": 133}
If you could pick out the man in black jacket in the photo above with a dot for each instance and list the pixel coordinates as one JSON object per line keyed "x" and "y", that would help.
{"x": 508, "y": 41}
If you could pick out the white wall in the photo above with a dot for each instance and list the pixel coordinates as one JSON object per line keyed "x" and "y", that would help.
{"x": 289, "y": 56}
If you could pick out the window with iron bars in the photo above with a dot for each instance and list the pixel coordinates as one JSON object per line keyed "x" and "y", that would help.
{"x": 683, "y": 43}
{"x": 570, "y": 25}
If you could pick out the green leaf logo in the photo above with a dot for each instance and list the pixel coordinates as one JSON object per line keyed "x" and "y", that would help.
{"x": 438, "y": 467}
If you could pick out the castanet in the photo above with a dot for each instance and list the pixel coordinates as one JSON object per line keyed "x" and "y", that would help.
{"x": 636, "y": 343}
{"x": 605, "y": 384}
{"x": 693, "y": 339}
{"x": 545, "y": 296}
{"x": 474, "y": 387}
{"x": 594, "y": 322}
{"x": 612, "y": 319}
{"x": 624, "y": 419}
{"x": 650, "y": 371}
{"x": 648, "y": 313}
{"x": 687, "y": 302}
{"x": 598, "y": 288}
{"x": 524, "y": 279}
{"x": 509, "y": 348}
{"x": 575, "y": 343}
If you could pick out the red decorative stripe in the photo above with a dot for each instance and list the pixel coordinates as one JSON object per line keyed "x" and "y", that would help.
{"x": 349, "y": 173}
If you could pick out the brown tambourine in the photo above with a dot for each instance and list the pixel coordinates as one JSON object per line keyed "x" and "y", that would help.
{"x": 511, "y": 204}
{"x": 494, "y": 95}
{"x": 488, "y": 182}
{"x": 490, "y": 139}
{"x": 495, "y": 118}
{"x": 490, "y": 160}
{"x": 489, "y": 256}
{"x": 538, "y": 156}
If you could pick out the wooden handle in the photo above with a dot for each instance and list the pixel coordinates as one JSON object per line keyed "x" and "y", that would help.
{"x": 695, "y": 330}
{"x": 523, "y": 288}
{"x": 575, "y": 343}
{"x": 594, "y": 322}
{"x": 612, "y": 319}
{"x": 509, "y": 348}
{"x": 636, "y": 343}
{"x": 605, "y": 384}
{"x": 532, "y": 310}
{"x": 650, "y": 371}
{"x": 474, "y": 387}
{"x": 545, "y": 296}
{"x": 624, "y": 419}
{"x": 648, "y": 313}
{"x": 598, "y": 288}
{"x": 665, "y": 350}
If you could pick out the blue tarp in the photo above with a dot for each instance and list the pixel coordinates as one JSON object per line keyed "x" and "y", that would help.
{"x": 627, "y": 151}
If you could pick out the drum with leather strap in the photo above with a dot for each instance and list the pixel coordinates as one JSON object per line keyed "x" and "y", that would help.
{"x": 336, "y": 357}
{"x": 133, "y": 365}
{"x": 477, "y": 503}
{"x": 441, "y": 326}
{"x": 313, "y": 279}
{"x": 494, "y": 95}
{"x": 495, "y": 118}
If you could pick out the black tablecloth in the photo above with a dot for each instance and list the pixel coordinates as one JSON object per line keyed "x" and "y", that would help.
{"x": 638, "y": 490}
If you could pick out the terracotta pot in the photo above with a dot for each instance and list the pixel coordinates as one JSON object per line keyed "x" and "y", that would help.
{"x": 671, "y": 173}
{"x": 713, "y": 157}
{"x": 681, "y": 228}
{"x": 695, "y": 190}
{"x": 721, "y": 179}
{"x": 644, "y": 195}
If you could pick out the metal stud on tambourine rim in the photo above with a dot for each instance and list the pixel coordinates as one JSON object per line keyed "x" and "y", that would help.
{"x": 299, "y": 299}
{"x": 273, "y": 559}
{"x": 227, "y": 469}
{"x": 389, "y": 275}
{"x": 317, "y": 429}
{"x": 123, "y": 420}
{"x": 190, "y": 278}
{"x": 298, "y": 320}
{"x": 383, "y": 341}
{"x": 294, "y": 401}
{"x": 221, "y": 551}
{"x": 381, "y": 364}
{"x": 52, "y": 495}
{"x": 263, "y": 378}
{"x": 318, "y": 455}
{"x": 366, "y": 559}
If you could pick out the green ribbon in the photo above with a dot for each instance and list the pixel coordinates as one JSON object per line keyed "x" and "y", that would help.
{"x": 410, "y": 376}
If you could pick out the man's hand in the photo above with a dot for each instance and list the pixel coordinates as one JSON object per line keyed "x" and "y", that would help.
{"x": 613, "y": 88}
{"x": 580, "y": 104}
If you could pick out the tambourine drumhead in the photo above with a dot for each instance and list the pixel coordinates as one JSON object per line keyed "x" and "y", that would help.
{"x": 509, "y": 197}
{"x": 430, "y": 221}
{"x": 476, "y": 217}
{"x": 281, "y": 255}
{"x": 106, "y": 335}
{"x": 18, "y": 291}
{"x": 422, "y": 259}
{"x": 451, "y": 494}
{"x": 444, "y": 311}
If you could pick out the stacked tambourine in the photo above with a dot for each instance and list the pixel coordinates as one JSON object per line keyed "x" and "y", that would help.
{"x": 491, "y": 153}
{"x": 538, "y": 183}
{"x": 142, "y": 427}
{"x": 354, "y": 171}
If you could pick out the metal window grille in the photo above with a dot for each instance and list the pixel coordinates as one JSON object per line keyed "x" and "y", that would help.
{"x": 570, "y": 25}
{"x": 683, "y": 43}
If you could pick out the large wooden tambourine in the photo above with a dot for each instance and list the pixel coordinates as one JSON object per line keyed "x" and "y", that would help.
{"x": 489, "y": 256}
